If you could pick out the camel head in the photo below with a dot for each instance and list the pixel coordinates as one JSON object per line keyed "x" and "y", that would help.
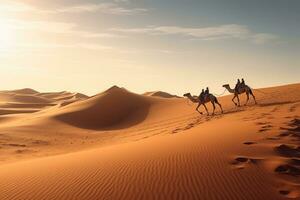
{"x": 187, "y": 94}
{"x": 192, "y": 98}
{"x": 225, "y": 85}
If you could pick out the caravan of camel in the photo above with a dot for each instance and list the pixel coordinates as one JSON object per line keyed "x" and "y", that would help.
{"x": 206, "y": 97}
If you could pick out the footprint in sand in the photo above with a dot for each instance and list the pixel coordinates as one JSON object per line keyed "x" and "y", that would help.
{"x": 15, "y": 145}
{"x": 294, "y": 162}
{"x": 249, "y": 143}
{"x": 284, "y": 134}
{"x": 40, "y": 142}
{"x": 266, "y": 128}
{"x": 22, "y": 151}
{"x": 284, "y": 192}
{"x": 264, "y": 115}
{"x": 294, "y": 107}
{"x": 273, "y": 138}
{"x": 242, "y": 159}
{"x": 290, "y": 191}
{"x": 275, "y": 109}
{"x": 187, "y": 127}
{"x": 263, "y": 130}
{"x": 241, "y": 162}
{"x": 288, "y": 169}
{"x": 177, "y": 130}
{"x": 288, "y": 150}
{"x": 263, "y": 123}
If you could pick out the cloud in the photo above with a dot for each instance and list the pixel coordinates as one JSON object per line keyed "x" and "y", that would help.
{"x": 55, "y": 45}
{"x": 263, "y": 38}
{"x": 57, "y": 28}
{"x": 227, "y": 31}
{"x": 231, "y": 30}
{"x": 45, "y": 26}
{"x": 122, "y": 1}
{"x": 107, "y": 8}
{"x": 112, "y": 8}
{"x": 11, "y": 6}
{"x": 36, "y": 47}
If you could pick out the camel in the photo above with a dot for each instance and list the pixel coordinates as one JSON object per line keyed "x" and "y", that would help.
{"x": 210, "y": 98}
{"x": 245, "y": 89}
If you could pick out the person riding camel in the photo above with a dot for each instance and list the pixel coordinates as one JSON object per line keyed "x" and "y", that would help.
{"x": 202, "y": 95}
{"x": 206, "y": 93}
{"x": 242, "y": 83}
{"x": 237, "y": 86}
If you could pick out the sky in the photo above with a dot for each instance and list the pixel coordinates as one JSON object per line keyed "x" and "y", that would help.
{"x": 148, "y": 45}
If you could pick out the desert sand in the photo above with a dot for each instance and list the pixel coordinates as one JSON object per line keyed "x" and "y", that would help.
{"x": 121, "y": 145}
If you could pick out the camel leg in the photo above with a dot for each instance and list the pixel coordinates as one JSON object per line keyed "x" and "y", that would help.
{"x": 206, "y": 109}
{"x": 254, "y": 99}
{"x": 233, "y": 100}
{"x": 220, "y": 106}
{"x": 238, "y": 98}
{"x": 214, "y": 107}
{"x": 247, "y": 98}
{"x": 197, "y": 109}
{"x": 253, "y": 96}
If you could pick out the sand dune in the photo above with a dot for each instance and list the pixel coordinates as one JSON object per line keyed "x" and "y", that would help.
{"x": 61, "y": 96}
{"x": 22, "y": 98}
{"x": 112, "y": 108}
{"x": 160, "y": 94}
{"x": 120, "y": 145}
{"x": 27, "y": 91}
{"x": 28, "y": 100}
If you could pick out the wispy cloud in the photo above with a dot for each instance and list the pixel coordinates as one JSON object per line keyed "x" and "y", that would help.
{"x": 107, "y": 8}
{"x": 122, "y": 1}
{"x": 233, "y": 31}
{"x": 113, "y": 8}
{"x": 71, "y": 29}
{"x": 14, "y": 6}
{"x": 76, "y": 45}
{"x": 263, "y": 38}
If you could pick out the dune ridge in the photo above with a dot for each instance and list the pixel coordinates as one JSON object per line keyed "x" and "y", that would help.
{"x": 160, "y": 94}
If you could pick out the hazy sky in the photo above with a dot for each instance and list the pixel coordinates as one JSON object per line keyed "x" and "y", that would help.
{"x": 145, "y": 45}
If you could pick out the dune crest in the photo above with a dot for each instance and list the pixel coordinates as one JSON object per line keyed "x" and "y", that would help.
{"x": 160, "y": 94}
{"x": 24, "y": 91}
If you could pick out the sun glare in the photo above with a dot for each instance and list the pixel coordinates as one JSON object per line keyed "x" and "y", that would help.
{"x": 7, "y": 35}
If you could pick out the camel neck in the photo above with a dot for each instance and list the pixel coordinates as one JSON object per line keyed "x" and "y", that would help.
{"x": 229, "y": 89}
{"x": 192, "y": 99}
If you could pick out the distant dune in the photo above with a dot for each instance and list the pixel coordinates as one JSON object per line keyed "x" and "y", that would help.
{"x": 121, "y": 145}
{"x": 160, "y": 94}
{"x": 21, "y": 98}
{"x": 57, "y": 96}
{"x": 27, "y": 91}
{"x": 28, "y": 100}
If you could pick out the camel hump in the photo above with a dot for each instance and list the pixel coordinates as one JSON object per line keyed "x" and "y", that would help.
{"x": 208, "y": 97}
{"x": 243, "y": 88}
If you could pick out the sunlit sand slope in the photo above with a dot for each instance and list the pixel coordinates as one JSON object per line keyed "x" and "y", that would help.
{"x": 156, "y": 148}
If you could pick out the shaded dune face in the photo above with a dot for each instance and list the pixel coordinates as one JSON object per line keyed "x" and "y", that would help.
{"x": 115, "y": 108}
